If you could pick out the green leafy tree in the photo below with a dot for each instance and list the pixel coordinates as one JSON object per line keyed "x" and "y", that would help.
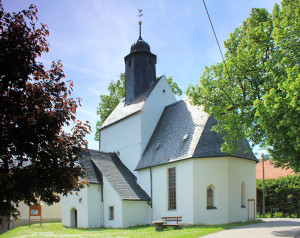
{"x": 38, "y": 159}
{"x": 116, "y": 92}
{"x": 174, "y": 86}
{"x": 109, "y": 102}
{"x": 255, "y": 92}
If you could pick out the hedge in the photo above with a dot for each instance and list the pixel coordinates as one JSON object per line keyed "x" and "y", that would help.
{"x": 282, "y": 195}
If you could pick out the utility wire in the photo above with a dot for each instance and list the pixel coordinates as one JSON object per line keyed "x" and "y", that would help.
{"x": 214, "y": 31}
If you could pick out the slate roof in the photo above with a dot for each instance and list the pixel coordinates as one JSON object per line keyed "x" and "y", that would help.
{"x": 118, "y": 175}
{"x": 122, "y": 111}
{"x": 92, "y": 174}
{"x": 184, "y": 131}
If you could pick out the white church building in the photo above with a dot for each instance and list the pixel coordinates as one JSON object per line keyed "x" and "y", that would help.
{"x": 158, "y": 157}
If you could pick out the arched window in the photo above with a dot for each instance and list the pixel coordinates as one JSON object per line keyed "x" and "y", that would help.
{"x": 243, "y": 197}
{"x": 210, "y": 197}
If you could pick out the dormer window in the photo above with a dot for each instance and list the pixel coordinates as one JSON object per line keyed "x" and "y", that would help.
{"x": 184, "y": 138}
{"x": 129, "y": 64}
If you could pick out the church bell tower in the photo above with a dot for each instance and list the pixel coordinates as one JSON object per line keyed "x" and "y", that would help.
{"x": 139, "y": 69}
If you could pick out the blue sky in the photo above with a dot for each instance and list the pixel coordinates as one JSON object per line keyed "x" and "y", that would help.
{"x": 92, "y": 37}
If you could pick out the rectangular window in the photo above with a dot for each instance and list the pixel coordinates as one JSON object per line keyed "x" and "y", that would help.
{"x": 243, "y": 202}
{"x": 172, "y": 188}
{"x": 111, "y": 213}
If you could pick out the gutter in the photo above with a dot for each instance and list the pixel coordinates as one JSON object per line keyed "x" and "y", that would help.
{"x": 99, "y": 138}
{"x": 102, "y": 200}
{"x": 151, "y": 187}
{"x": 188, "y": 158}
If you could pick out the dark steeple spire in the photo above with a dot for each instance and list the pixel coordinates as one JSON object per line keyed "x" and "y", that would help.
{"x": 140, "y": 23}
{"x": 139, "y": 69}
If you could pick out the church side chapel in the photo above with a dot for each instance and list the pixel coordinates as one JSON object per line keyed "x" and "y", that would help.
{"x": 158, "y": 157}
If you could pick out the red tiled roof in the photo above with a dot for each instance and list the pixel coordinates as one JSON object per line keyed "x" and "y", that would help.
{"x": 270, "y": 171}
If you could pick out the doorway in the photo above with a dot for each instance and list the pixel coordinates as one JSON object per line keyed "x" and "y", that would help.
{"x": 73, "y": 217}
{"x": 251, "y": 209}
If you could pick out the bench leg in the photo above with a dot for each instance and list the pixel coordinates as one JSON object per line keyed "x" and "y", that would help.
{"x": 176, "y": 227}
{"x": 159, "y": 228}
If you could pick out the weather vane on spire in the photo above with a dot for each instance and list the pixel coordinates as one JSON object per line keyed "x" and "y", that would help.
{"x": 140, "y": 22}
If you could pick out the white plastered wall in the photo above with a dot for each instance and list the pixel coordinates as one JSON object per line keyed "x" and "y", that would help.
{"x": 136, "y": 213}
{"x": 227, "y": 175}
{"x": 241, "y": 170}
{"x": 160, "y": 97}
{"x": 143, "y": 179}
{"x": 184, "y": 191}
{"x": 94, "y": 206}
{"x": 88, "y": 206}
{"x": 193, "y": 176}
{"x": 124, "y": 137}
{"x": 131, "y": 135}
{"x": 111, "y": 199}
{"x": 210, "y": 171}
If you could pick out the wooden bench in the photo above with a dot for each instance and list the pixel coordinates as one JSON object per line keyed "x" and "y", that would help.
{"x": 176, "y": 219}
{"x": 160, "y": 225}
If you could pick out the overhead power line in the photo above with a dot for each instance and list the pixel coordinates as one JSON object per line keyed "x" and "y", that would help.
{"x": 214, "y": 31}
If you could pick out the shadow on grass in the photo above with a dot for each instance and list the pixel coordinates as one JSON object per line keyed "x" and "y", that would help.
{"x": 136, "y": 228}
{"x": 104, "y": 229}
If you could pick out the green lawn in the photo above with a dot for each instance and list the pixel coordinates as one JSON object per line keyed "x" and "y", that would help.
{"x": 55, "y": 229}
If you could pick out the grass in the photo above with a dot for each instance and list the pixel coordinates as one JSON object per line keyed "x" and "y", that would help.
{"x": 55, "y": 229}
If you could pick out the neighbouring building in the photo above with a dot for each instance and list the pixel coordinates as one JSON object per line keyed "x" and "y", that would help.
{"x": 49, "y": 213}
{"x": 270, "y": 171}
{"x": 158, "y": 157}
